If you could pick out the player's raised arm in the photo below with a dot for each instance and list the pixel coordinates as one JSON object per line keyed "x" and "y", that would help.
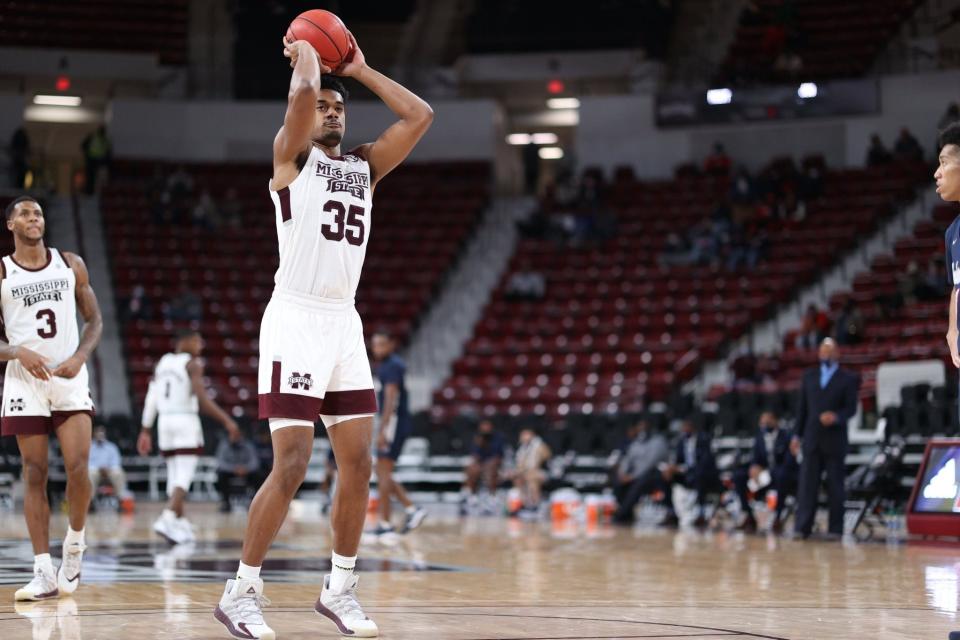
{"x": 93, "y": 321}
{"x": 294, "y": 135}
{"x": 415, "y": 115}
{"x": 207, "y": 405}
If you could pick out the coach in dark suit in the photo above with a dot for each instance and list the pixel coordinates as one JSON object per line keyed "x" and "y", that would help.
{"x": 828, "y": 399}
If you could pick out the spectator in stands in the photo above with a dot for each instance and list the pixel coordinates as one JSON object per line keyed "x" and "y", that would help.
{"x": 931, "y": 283}
{"x": 105, "y": 464}
{"x": 694, "y": 467}
{"x": 718, "y": 162}
{"x": 813, "y": 328}
{"x": 849, "y": 325}
{"x": 906, "y": 148}
{"x": 877, "y": 154}
{"x": 828, "y": 399}
{"x": 528, "y": 474}
{"x": 531, "y": 168}
{"x": 205, "y": 213}
{"x": 773, "y": 468}
{"x": 744, "y": 368}
{"x": 810, "y": 183}
{"x": 486, "y": 456}
{"x": 137, "y": 306}
{"x": 951, "y": 115}
{"x": 97, "y": 154}
{"x": 232, "y": 208}
{"x": 637, "y": 473}
{"x": 185, "y": 306}
{"x": 19, "y": 158}
{"x": 676, "y": 251}
{"x": 179, "y": 190}
{"x": 237, "y": 464}
{"x": 526, "y": 284}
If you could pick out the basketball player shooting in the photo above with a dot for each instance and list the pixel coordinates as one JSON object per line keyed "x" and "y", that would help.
{"x": 313, "y": 360}
{"x": 45, "y": 388}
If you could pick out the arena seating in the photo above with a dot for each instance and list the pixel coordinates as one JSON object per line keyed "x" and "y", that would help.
{"x": 616, "y": 331}
{"x": 912, "y": 332}
{"x": 113, "y": 25}
{"x": 424, "y": 214}
{"x": 833, "y": 39}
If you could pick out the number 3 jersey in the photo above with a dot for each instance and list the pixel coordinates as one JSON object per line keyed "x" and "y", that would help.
{"x": 323, "y": 224}
{"x": 39, "y": 307}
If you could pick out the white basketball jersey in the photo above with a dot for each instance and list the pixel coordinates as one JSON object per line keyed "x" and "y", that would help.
{"x": 172, "y": 387}
{"x": 40, "y": 307}
{"x": 323, "y": 225}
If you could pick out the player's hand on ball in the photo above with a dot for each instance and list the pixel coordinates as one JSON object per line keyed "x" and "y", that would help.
{"x": 144, "y": 442}
{"x": 34, "y": 363}
{"x": 293, "y": 49}
{"x": 69, "y": 368}
{"x": 354, "y": 61}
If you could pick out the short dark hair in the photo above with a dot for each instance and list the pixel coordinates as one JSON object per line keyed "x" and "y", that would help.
{"x": 183, "y": 334}
{"x": 383, "y": 331}
{"x": 13, "y": 205}
{"x": 950, "y": 135}
{"x": 334, "y": 84}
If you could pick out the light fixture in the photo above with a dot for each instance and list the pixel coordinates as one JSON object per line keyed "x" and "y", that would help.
{"x": 57, "y": 101}
{"x": 550, "y": 153}
{"x": 563, "y": 103}
{"x": 719, "y": 96}
{"x": 807, "y": 90}
{"x": 535, "y": 138}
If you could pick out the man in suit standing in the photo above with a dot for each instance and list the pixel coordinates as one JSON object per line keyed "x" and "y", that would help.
{"x": 828, "y": 399}
{"x": 773, "y": 467}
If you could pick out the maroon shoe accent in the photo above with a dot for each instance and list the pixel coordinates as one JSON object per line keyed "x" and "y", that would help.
{"x": 73, "y": 579}
{"x": 323, "y": 611}
{"x": 47, "y": 595}
{"x": 243, "y": 632}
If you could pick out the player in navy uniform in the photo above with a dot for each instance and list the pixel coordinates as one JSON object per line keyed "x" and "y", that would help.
{"x": 394, "y": 429}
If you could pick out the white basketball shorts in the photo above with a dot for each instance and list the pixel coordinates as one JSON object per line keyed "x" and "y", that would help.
{"x": 313, "y": 361}
{"x": 35, "y": 407}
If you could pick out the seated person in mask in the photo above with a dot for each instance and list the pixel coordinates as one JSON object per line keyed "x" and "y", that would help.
{"x": 773, "y": 468}
{"x": 636, "y": 474}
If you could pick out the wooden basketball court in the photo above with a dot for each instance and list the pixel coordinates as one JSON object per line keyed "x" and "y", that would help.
{"x": 490, "y": 578}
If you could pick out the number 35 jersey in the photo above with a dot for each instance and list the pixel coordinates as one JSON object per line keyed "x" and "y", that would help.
{"x": 39, "y": 307}
{"x": 323, "y": 224}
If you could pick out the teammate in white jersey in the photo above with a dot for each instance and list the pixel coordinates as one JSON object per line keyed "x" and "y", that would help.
{"x": 177, "y": 395}
{"x": 45, "y": 387}
{"x": 313, "y": 360}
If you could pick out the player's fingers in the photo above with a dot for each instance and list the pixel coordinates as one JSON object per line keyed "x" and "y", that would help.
{"x": 325, "y": 69}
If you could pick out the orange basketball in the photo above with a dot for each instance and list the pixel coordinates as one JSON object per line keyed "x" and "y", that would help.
{"x": 325, "y": 31}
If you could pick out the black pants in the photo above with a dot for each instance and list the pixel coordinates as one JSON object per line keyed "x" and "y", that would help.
{"x": 628, "y": 494}
{"x": 703, "y": 484}
{"x": 814, "y": 463}
{"x": 785, "y": 484}
{"x": 229, "y": 484}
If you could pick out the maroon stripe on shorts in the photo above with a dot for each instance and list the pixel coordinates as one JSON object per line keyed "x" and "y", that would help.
{"x": 26, "y": 425}
{"x": 289, "y": 405}
{"x": 194, "y": 451}
{"x": 59, "y": 417}
{"x": 275, "y": 377}
{"x": 284, "y": 195}
{"x": 349, "y": 403}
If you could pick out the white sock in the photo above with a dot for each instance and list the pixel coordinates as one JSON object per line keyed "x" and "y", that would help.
{"x": 43, "y": 561}
{"x": 168, "y": 514}
{"x": 247, "y": 572}
{"x": 411, "y": 509}
{"x": 73, "y": 537}
{"x": 341, "y": 571}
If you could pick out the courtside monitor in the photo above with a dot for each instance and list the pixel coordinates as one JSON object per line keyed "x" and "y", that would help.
{"x": 934, "y": 508}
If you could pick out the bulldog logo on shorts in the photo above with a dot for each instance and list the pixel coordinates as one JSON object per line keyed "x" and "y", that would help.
{"x": 298, "y": 381}
{"x": 17, "y": 404}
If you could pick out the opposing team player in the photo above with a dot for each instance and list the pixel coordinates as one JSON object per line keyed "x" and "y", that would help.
{"x": 393, "y": 430}
{"x": 45, "y": 388}
{"x": 177, "y": 395}
{"x": 313, "y": 359}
